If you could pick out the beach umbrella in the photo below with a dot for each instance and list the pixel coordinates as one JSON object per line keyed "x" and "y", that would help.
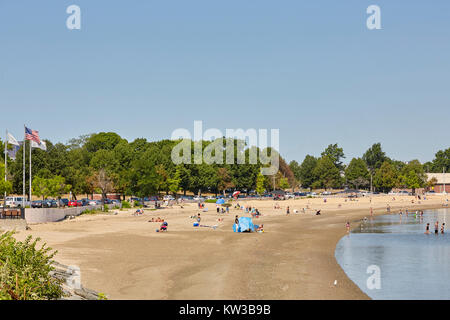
{"x": 236, "y": 193}
{"x": 220, "y": 201}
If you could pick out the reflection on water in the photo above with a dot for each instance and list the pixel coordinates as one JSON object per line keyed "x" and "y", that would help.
{"x": 413, "y": 265}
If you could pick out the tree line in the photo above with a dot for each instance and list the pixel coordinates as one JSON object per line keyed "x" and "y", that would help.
{"x": 105, "y": 162}
{"x": 374, "y": 169}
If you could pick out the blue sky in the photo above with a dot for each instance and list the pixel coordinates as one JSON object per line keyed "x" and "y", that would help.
{"x": 308, "y": 68}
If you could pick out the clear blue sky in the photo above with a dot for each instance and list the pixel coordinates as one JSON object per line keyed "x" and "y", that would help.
{"x": 309, "y": 68}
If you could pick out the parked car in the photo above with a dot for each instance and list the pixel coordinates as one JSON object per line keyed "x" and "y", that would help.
{"x": 16, "y": 202}
{"x": 168, "y": 198}
{"x": 289, "y": 196}
{"x": 63, "y": 202}
{"x": 74, "y": 203}
{"x": 199, "y": 198}
{"x": 36, "y": 204}
{"x": 326, "y": 193}
{"x": 49, "y": 203}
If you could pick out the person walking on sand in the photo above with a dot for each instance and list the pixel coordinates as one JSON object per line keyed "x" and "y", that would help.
{"x": 287, "y": 211}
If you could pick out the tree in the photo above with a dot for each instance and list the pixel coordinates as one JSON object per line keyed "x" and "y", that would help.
{"x": 374, "y": 157}
{"x": 102, "y": 140}
{"x": 306, "y": 172}
{"x": 225, "y": 180}
{"x": 386, "y": 177}
{"x": 328, "y": 175}
{"x": 441, "y": 161}
{"x": 174, "y": 182}
{"x": 335, "y": 154}
{"x": 41, "y": 187}
{"x": 260, "y": 184}
{"x": 413, "y": 176}
{"x": 357, "y": 173}
{"x": 284, "y": 183}
{"x": 102, "y": 181}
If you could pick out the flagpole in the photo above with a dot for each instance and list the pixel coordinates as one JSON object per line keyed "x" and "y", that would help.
{"x": 6, "y": 162}
{"x": 24, "y": 136}
{"x": 30, "y": 173}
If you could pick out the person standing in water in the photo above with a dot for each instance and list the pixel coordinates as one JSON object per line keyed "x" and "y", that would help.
{"x": 442, "y": 228}
{"x": 427, "y": 230}
{"x": 436, "y": 227}
{"x": 347, "y": 225}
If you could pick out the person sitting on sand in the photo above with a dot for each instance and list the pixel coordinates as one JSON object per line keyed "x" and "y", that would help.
{"x": 260, "y": 228}
{"x": 163, "y": 226}
{"x": 318, "y": 212}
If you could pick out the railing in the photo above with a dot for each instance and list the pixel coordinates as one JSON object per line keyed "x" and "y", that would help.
{"x": 12, "y": 213}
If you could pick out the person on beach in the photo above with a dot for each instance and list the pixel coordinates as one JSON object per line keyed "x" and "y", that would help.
{"x": 436, "y": 227}
{"x": 287, "y": 211}
{"x": 427, "y": 229}
{"x": 371, "y": 211}
{"x": 228, "y": 210}
{"x": 347, "y": 225}
{"x": 318, "y": 212}
{"x": 442, "y": 228}
{"x": 199, "y": 218}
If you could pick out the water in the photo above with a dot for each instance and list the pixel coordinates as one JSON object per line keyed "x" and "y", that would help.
{"x": 412, "y": 265}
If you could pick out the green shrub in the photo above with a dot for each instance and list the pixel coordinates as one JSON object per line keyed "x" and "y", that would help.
{"x": 137, "y": 204}
{"x": 25, "y": 270}
{"x": 126, "y": 205}
{"x": 105, "y": 208}
{"x": 210, "y": 201}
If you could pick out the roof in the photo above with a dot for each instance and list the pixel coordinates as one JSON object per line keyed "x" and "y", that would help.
{"x": 440, "y": 177}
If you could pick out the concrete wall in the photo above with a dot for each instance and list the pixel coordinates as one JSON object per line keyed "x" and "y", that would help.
{"x": 43, "y": 215}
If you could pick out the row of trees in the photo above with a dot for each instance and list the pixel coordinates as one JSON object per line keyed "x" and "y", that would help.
{"x": 374, "y": 168}
{"x": 105, "y": 162}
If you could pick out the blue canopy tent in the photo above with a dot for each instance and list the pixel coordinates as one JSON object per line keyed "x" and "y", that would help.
{"x": 245, "y": 225}
{"x": 220, "y": 201}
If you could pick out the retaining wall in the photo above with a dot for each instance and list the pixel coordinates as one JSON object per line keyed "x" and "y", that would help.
{"x": 43, "y": 215}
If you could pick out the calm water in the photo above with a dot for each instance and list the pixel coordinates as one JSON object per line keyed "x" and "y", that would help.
{"x": 412, "y": 265}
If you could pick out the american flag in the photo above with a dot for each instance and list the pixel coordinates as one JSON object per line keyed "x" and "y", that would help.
{"x": 32, "y": 135}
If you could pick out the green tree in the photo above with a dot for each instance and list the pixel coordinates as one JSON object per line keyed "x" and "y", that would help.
{"x": 386, "y": 177}
{"x": 5, "y": 186}
{"x": 441, "y": 161}
{"x": 284, "y": 183}
{"x": 328, "y": 175}
{"x": 357, "y": 174}
{"x": 260, "y": 184}
{"x": 306, "y": 172}
{"x": 335, "y": 154}
{"x": 413, "y": 176}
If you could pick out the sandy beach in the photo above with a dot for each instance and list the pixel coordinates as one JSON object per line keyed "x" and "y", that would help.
{"x": 123, "y": 257}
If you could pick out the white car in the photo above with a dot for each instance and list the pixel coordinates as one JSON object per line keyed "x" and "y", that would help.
{"x": 326, "y": 193}
{"x": 168, "y": 198}
{"x": 289, "y": 196}
{"x": 199, "y": 198}
{"x": 16, "y": 202}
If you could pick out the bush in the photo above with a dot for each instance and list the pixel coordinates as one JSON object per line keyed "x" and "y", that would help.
{"x": 137, "y": 204}
{"x": 126, "y": 205}
{"x": 105, "y": 208}
{"x": 210, "y": 201}
{"x": 25, "y": 270}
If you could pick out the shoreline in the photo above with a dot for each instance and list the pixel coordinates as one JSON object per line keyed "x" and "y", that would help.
{"x": 123, "y": 257}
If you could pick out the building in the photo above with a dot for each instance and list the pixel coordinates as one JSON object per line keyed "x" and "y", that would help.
{"x": 443, "y": 179}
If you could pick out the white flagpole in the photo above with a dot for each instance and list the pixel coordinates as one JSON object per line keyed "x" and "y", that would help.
{"x": 30, "y": 173}
{"x": 24, "y": 139}
{"x": 6, "y": 162}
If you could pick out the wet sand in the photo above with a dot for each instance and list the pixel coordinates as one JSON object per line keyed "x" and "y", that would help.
{"x": 122, "y": 255}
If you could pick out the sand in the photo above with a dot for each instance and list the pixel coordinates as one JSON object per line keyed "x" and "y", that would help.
{"x": 123, "y": 257}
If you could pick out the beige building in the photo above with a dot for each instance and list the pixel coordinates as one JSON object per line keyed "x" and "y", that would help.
{"x": 443, "y": 179}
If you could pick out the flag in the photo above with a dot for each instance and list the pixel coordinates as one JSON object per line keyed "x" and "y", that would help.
{"x": 12, "y": 152}
{"x": 42, "y": 145}
{"x": 32, "y": 135}
{"x": 12, "y": 140}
